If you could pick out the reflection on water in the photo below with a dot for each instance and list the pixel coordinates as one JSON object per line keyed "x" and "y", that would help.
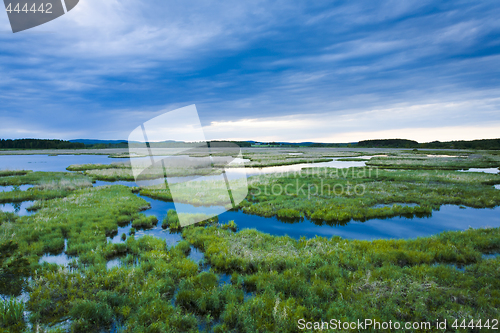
{"x": 118, "y": 182}
{"x": 52, "y": 163}
{"x": 60, "y": 259}
{"x": 20, "y": 208}
{"x": 485, "y": 170}
{"x": 449, "y": 217}
{"x": 297, "y": 167}
{"x": 113, "y": 263}
{"x": 15, "y": 188}
{"x": 491, "y": 255}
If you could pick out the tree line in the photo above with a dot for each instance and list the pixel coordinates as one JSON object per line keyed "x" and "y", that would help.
{"x": 486, "y": 144}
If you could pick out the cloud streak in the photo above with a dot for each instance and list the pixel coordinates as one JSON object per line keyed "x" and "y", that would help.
{"x": 109, "y": 66}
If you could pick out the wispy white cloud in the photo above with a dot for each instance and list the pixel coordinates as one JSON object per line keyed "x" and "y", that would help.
{"x": 110, "y": 65}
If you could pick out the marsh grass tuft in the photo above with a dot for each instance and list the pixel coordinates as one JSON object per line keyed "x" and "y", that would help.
{"x": 12, "y": 314}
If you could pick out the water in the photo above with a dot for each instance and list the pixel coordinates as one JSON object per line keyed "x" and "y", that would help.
{"x": 449, "y": 217}
{"x": 297, "y": 167}
{"x": 114, "y": 263}
{"x": 11, "y": 188}
{"x": 497, "y": 186}
{"x": 118, "y": 182}
{"x": 51, "y": 163}
{"x": 61, "y": 259}
{"x": 491, "y": 255}
{"x": 20, "y": 208}
{"x": 485, "y": 170}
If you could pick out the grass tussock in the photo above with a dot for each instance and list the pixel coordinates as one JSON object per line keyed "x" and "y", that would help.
{"x": 339, "y": 195}
{"x": 6, "y": 173}
{"x": 436, "y": 161}
{"x": 46, "y": 188}
{"x": 398, "y": 280}
{"x": 12, "y": 315}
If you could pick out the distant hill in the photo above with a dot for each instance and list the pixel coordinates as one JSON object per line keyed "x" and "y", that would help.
{"x": 100, "y": 144}
{"x": 388, "y": 143}
{"x": 485, "y": 144}
{"x": 39, "y": 144}
{"x": 93, "y": 142}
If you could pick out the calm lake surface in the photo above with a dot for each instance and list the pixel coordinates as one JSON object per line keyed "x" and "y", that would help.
{"x": 18, "y": 207}
{"x": 51, "y": 163}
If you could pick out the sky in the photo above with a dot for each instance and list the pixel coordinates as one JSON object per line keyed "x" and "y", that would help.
{"x": 282, "y": 70}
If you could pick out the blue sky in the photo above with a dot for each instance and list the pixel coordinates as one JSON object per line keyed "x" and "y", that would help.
{"x": 331, "y": 71}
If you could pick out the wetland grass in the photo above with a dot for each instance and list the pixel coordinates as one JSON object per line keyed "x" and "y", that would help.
{"x": 48, "y": 185}
{"x": 12, "y": 315}
{"x": 339, "y": 195}
{"x": 398, "y": 280}
{"x": 97, "y": 166}
{"x": 158, "y": 289}
{"x": 431, "y": 161}
{"x": 6, "y": 173}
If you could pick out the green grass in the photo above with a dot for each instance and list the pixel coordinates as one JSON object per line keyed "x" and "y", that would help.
{"x": 12, "y": 315}
{"x": 158, "y": 289}
{"x": 43, "y": 179}
{"x": 279, "y": 157}
{"x": 97, "y": 166}
{"x": 171, "y": 221}
{"x": 84, "y": 217}
{"x": 122, "y": 173}
{"x": 144, "y": 222}
{"x": 339, "y": 195}
{"x": 139, "y": 296}
{"x": 398, "y": 280}
{"x": 456, "y": 162}
{"x": 47, "y": 189}
{"x": 6, "y": 173}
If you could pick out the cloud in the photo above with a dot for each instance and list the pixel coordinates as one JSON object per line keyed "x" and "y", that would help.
{"x": 108, "y": 66}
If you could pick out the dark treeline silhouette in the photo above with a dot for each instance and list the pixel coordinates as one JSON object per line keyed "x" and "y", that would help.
{"x": 474, "y": 144}
{"x": 55, "y": 144}
{"x": 39, "y": 144}
{"x": 239, "y": 143}
{"x": 388, "y": 143}
{"x": 486, "y": 144}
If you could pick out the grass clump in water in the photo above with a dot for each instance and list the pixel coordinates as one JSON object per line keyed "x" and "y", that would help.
{"x": 6, "y": 173}
{"x": 139, "y": 297}
{"x": 339, "y": 195}
{"x": 171, "y": 221}
{"x": 443, "y": 162}
{"x": 48, "y": 185}
{"x": 398, "y": 280}
{"x": 144, "y": 222}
